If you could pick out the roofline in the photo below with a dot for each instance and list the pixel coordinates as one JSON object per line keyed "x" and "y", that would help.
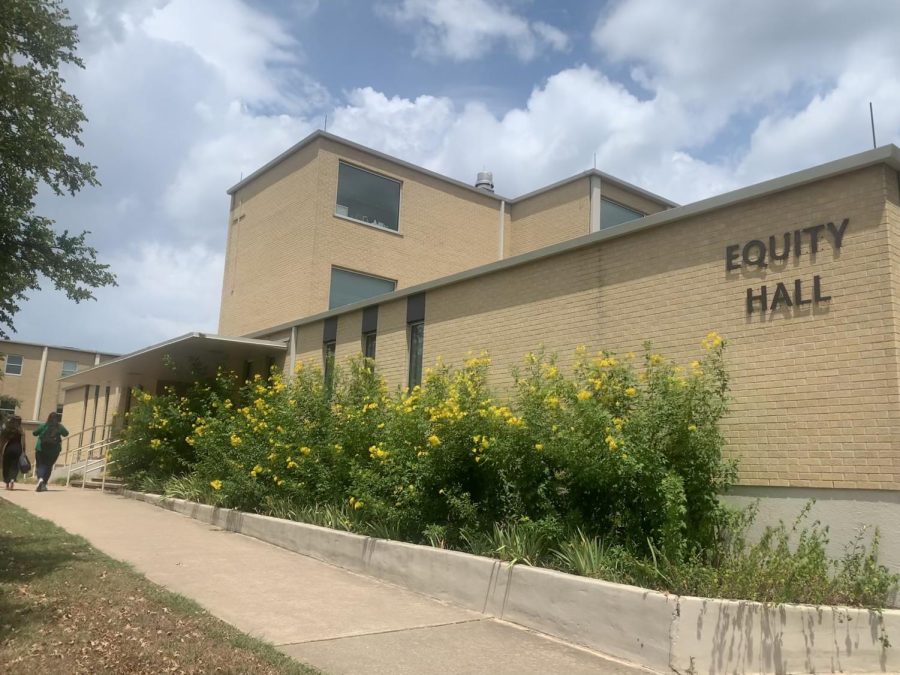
{"x": 887, "y": 154}
{"x": 181, "y": 338}
{"x": 604, "y": 177}
{"x": 68, "y": 349}
{"x": 319, "y": 134}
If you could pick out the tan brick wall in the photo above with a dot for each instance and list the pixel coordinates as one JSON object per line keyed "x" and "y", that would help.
{"x": 269, "y": 256}
{"x": 550, "y": 217}
{"x": 816, "y": 398}
{"x": 284, "y": 237}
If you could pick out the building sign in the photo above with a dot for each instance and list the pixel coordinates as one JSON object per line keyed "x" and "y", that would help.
{"x": 758, "y": 254}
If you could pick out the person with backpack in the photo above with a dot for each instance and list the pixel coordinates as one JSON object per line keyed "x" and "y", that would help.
{"x": 49, "y": 445}
{"x": 12, "y": 449}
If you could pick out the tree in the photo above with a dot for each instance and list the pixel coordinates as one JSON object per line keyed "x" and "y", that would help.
{"x": 39, "y": 123}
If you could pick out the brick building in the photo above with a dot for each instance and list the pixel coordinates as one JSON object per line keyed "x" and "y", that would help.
{"x": 334, "y": 249}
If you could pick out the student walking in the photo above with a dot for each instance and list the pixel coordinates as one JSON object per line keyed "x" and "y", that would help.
{"x": 49, "y": 445}
{"x": 12, "y": 447}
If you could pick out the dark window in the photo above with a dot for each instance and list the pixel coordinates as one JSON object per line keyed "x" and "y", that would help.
{"x": 248, "y": 370}
{"x": 328, "y": 356}
{"x": 369, "y": 345}
{"x": 612, "y": 214}
{"x": 348, "y": 287}
{"x": 13, "y": 364}
{"x": 368, "y": 197}
{"x": 59, "y": 410}
{"x": 416, "y": 343}
{"x": 69, "y": 368}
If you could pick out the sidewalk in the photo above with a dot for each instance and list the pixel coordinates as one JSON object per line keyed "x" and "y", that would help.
{"x": 324, "y": 616}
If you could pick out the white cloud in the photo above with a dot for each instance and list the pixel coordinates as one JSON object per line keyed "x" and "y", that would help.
{"x": 466, "y": 30}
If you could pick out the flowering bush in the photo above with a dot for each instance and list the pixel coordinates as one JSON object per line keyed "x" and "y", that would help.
{"x": 621, "y": 447}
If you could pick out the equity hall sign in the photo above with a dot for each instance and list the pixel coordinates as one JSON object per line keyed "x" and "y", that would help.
{"x": 759, "y": 255}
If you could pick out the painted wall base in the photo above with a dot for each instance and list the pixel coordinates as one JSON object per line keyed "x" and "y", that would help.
{"x": 662, "y": 632}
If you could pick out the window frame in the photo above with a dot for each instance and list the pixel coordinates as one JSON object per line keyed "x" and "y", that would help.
{"x": 59, "y": 410}
{"x": 329, "y": 356}
{"x": 4, "y": 412}
{"x": 7, "y": 364}
{"x": 413, "y": 328}
{"x": 361, "y": 274}
{"x": 371, "y": 337}
{"x": 638, "y": 214}
{"x": 380, "y": 228}
{"x": 63, "y": 372}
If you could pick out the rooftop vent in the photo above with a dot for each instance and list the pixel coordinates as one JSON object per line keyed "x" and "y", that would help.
{"x": 485, "y": 181}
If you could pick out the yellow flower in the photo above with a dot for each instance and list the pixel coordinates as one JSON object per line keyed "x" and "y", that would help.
{"x": 695, "y": 365}
{"x": 692, "y": 427}
{"x": 583, "y": 395}
{"x": 155, "y": 443}
{"x": 712, "y": 340}
{"x": 612, "y": 443}
{"x": 305, "y": 450}
{"x": 630, "y": 391}
{"x": 380, "y": 425}
{"x": 422, "y": 453}
{"x": 190, "y": 440}
{"x": 298, "y": 366}
{"x": 618, "y": 423}
{"x": 256, "y": 470}
{"x": 216, "y": 484}
{"x": 552, "y": 401}
{"x": 539, "y": 446}
{"x": 656, "y": 359}
{"x": 433, "y": 440}
{"x": 358, "y": 504}
{"x": 235, "y": 440}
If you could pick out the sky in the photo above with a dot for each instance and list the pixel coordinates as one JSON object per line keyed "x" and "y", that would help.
{"x": 184, "y": 97}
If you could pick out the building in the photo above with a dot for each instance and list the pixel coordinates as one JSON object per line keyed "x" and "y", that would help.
{"x": 334, "y": 249}
{"x": 31, "y": 375}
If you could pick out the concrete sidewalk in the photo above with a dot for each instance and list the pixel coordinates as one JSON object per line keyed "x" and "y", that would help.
{"x": 322, "y": 615}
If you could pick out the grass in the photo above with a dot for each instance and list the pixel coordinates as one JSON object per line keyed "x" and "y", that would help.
{"x": 67, "y": 608}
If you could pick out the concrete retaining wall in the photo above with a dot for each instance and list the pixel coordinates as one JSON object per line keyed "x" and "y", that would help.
{"x": 662, "y": 632}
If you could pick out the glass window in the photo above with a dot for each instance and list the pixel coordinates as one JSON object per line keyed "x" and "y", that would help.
{"x": 7, "y": 407}
{"x": 348, "y": 287}
{"x": 368, "y": 197}
{"x": 329, "y": 348}
{"x": 612, "y": 214}
{"x": 59, "y": 411}
{"x": 416, "y": 343}
{"x": 369, "y": 345}
{"x": 13, "y": 364}
{"x": 69, "y": 367}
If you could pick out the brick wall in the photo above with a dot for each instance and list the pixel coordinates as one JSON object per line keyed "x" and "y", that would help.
{"x": 816, "y": 390}
{"x": 549, "y": 217}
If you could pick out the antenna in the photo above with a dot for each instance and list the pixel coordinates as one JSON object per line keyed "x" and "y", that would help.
{"x": 595, "y": 160}
{"x": 325, "y": 128}
{"x": 872, "y": 122}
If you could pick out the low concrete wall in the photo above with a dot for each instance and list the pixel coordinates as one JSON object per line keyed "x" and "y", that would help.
{"x": 662, "y": 632}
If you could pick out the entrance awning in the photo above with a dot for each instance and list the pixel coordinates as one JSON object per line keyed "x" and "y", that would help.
{"x": 177, "y": 359}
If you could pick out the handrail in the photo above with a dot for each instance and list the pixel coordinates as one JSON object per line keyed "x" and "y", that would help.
{"x": 105, "y": 432}
{"x": 102, "y": 459}
{"x": 103, "y": 477}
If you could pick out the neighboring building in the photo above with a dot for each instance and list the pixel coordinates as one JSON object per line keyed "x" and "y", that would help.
{"x": 801, "y": 274}
{"x": 31, "y": 375}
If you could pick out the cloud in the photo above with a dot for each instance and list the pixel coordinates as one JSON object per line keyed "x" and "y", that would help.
{"x": 466, "y": 30}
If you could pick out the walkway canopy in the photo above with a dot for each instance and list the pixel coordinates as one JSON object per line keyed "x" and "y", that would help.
{"x": 178, "y": 359}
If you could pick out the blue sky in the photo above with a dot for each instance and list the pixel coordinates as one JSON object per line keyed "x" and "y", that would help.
{"x": 685, "y": 99}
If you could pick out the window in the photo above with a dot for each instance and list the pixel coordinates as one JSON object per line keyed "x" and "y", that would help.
{"x": 7, "y": 407}
{"x": 59, "y": 411}
{"x": 612, "y": 214}
{"x": 416, "y": 340}
{"x": 13, "y": 364}
{"x": 369, "y": 340}
{"x": 348, "y": 287}
{"x": 368, "y": 197}
{"x": 328, "y": 349}
{"x": 69, "y": 367}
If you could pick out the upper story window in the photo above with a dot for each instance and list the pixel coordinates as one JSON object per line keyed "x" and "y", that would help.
{"x": 69, "y": 368}
{"x": 612, "y": 214}
{"x": 368, "y": 197}
{"x": 13, "y": 364}
{"x": 348, "y": 287}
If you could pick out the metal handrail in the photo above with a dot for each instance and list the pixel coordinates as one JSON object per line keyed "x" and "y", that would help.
{"x": 103, "y": 477}
{"x": 102, "y": 459}
{"x": 105, "y": 431}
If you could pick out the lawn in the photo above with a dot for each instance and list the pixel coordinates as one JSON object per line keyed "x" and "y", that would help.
{"x": 67, "y": 608}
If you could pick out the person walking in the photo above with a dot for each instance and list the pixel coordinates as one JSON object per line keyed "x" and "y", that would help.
{"x": 12, "y": 446}
{"x": 49, "y": 445}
